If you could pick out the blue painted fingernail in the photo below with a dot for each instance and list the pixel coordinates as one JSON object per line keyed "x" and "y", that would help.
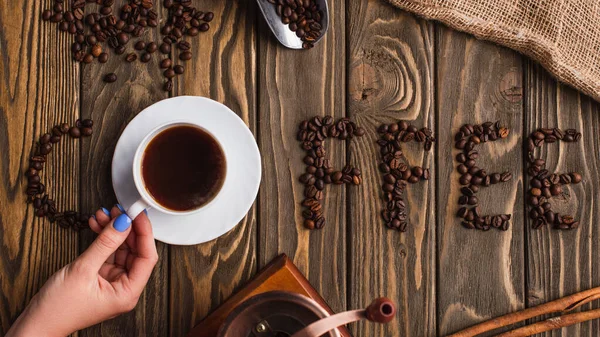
{"x": 122, "y": 223}
{"x": 93, "y": 216}
{"x": 105, "y": 211}
{"x": 145, "y": 211}
{"x": 120, "y": 208}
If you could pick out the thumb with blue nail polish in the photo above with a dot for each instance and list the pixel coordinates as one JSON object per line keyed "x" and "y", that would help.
{"x": 122, "y": 223}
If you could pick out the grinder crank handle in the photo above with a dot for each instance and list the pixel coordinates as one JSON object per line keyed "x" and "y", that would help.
{"x": 382, "y": 310}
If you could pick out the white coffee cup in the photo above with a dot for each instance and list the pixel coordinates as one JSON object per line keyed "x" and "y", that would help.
{"x": 146, "y": 200}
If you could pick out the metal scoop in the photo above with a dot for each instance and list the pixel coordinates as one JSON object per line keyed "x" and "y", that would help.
{"x": 282, "y": 31}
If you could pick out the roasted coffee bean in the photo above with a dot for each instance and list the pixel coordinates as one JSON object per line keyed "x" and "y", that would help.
{"x": 123, "y": 38}
{"x": 75, "y": 132}
{"x": 168, "y": 86}
{"x": 131, "y": 57}
{"x": 110, "y": 78}
{"x": 140, "y": 45}
{"x": 45, "y": 139}
{"x": 546, "y": 192}
{"x": 575, "y": 177}
{"x": 184, "y": 45}
{"x": 96, "y": 50}
{"x": 166, "y": 63}
{"x": 506, "y": 176}
{"x": 46, "y": 15}
{"x": 309, "y": 224}
{"x": 165, "y": 48}
{"x": 169, "y": 73}
{"x": 86, "y": 132}
{"x": 468, "y": 191}
{"x": 417, "y": 171}
{"x": 88, "y": 58}
{"x": 538, "y": 135}
{"x": 103, "y": 58}
{"x": 151, "y": 47}
{"x": 145, "y": 58}
{"x": 384, "y": 168}
{"x": 473, "y": 200}
{"x": 533, "y": 200}
{"x": 45, "y": 148}
{"x": 185, "y": 56}
{"x": 64, "y": 128}
{"x": 465, "y": 179}
{"x": 31, "y": 172}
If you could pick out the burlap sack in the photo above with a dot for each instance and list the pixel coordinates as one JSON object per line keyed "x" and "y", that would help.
{"x": 563, "y": 35}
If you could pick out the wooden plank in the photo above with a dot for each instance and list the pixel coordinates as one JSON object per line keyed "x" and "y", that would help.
{"x": 296, "y": 85}
{"x": 40, "y": 87}
{"x": 224, "y": 69}
{"x": 480, "y": 274}
{"x": 564, "y": 262}
{"x": 112, "y": 106}
{"x": 391, "y": 78}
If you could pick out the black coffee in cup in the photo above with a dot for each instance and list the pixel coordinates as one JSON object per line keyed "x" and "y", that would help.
{"x": 183, "y": 168}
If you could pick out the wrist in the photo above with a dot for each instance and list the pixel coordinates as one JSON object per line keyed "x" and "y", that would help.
{"x": 31, "y": 323}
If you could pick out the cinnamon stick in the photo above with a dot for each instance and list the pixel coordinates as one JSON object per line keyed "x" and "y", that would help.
{"x": 553, "y": 323}
{"x": 561, "y": 305}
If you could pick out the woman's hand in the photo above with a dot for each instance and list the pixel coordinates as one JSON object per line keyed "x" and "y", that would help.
{"x": 105, "y": 281}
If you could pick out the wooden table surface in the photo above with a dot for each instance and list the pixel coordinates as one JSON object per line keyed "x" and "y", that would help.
{"x": 376, "y": 64}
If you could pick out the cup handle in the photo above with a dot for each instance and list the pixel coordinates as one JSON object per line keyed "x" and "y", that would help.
{"x": 138, "y": 207}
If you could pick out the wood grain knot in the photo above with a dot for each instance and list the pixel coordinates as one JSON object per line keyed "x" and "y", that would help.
{"x": 511, "y": 86}
{"x": 385, "y": 77}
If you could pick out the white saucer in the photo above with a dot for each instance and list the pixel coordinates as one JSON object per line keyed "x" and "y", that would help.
{"x": 243, "y": 169}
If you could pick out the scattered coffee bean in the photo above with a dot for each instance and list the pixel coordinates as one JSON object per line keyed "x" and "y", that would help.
{"x": 110, "y": 78}
{"x": 103, "y": 58}
{"x": 140, "y": 45}
{"x": 168, "y": 86}
{"x": 92, "y": 29}
{"x": 151, "y": 47}
{"x": 131, "y": 57}
{"x": 145, "y": 58}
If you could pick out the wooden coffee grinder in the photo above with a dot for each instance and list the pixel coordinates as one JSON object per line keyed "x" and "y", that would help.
{"x": 280, "y": 302}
